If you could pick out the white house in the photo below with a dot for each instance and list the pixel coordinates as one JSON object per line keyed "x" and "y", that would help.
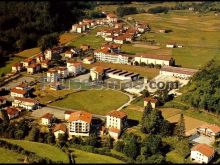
{"x": 59, "y": 129}
{"x": 184, "y": 73}
{"x": 46, "y": 119}
{"x": 48, "y": 54}
{"x": 96, "y": 73}
{"x": 17, "y": 67}
{"x": 210, "y": 130}
{"x": 67, "y": 115}
{"x": 120, "y": 39}
{"x": 88, "y": 60}
{"x": 79, "y": 123}
{"x": 52, "y": 75}
{"x": 112, "y": 18}
{"x": 152, "y": 58}
{"x": 33, "y": 68}
{"x": 74, "y": 68}
{"x": 116, "y": 121}
{"x": 154, "y": 102}
{"x": 68, "y": 54}
{"x": 18, "y": 92}
{"x": 26, "y": 103}
{"x": 12, "y": 112}
{"x": 62, "y": 72}
{"x": 202, "y": 153}
{"x": 28, "y": 61}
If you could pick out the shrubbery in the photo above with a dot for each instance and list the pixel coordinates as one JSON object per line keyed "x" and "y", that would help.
{"x": 158, "y": 9}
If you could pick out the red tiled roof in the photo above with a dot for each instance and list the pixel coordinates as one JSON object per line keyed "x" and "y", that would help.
{"x": 29, "y": 100}
{"x": 33, "y": 65}
{"x": 19, "y": 91}
{"x": 115, "y": 130}
{"x": 152, "y": 100}
{"x": 104, "y": 50}
{"x": 68, "y": 112}
{"x": 60, "y": 127}
{"x": 111, "y": 15}
{"x": 80, "y": 115}
{"x": 154, "y": 56}
{"x": 99, "y": 69}
{"x": 45, "y": 62}
{"x": 204, "y": 149}
{"x": 117, "y": 114}
{"x": 122, "y": 37}
{"x": 11, "y": 110}
{"x": 214, "y": 128}
{"x": 48, "y": 116}
{"x": 18, "y": 64}
{"x": 179, "y": 70}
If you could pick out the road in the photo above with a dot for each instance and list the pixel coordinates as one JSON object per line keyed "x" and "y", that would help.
{"x": 131, "y": 98}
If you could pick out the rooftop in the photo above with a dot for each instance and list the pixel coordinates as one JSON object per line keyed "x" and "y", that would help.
{"x": 60, "y": 127}
{"x": 80, "y": 115}
{"x": 179, "y": 70}
{"x": 204, "y": 149}
{"x": 117, "y": 114}
{"x": 154, "y": 56}
{"x": 48, "y": 116}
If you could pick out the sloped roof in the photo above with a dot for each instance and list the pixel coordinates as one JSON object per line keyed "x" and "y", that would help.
{"x": 117, "y": 114}
{"x": 80, "y": 115}
{"x": 204, "y": 149}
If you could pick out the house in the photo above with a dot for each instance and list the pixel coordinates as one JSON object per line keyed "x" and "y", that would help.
{"x": 68, "y": 54}
{"x": 79, "y": 123}
{"x": 74, "y": 68}
{"x": 52, "y": 75}
{"x": 74, "y": 27}
{"x": 59, "y": 129}
{"x": 152, "y": 59}
{"x": 112, "y": 18}
{"x": 12, "y": 112}
{"x": 120, "y": 39}
{"x": 48, "y": 54}
{"x": 178, "y": 72}
{"x": 109, "y": 38}
{"x": 24, "y": 86}
{"x": 33, "y": 68}
{"x": 97, "y": 73}
{"x": 154, "y": 102}
{"x": 80, "y": 28}
{"x": 67, "y": 114}
{"x": 26, "y": 103}
{"x": 39, "y": 58}
{"x": 88, "y": 60}
{"x": 3, "y": 101}
{"x": 45, "y": 64}
{"x": 116, "y": 121}
{"x": 55, "y": 86}
{"x": 210, "y": 130}
{"x": 62, "y": 72}
{"x": 28, "y": 61}
{"x": 46, "y": 119}
{"x": 19, "y": 92}
{"x": 114, "y": 48}
{"x": 202, "y": 153}
{"x": 171, "y": 45}
{"x": 84, "y": 47}
{"x": 17, "y": 67}
{"x": 103, "y": 131}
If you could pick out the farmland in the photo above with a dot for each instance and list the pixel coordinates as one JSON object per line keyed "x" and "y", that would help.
{"x": 28, "y": 52}
{"x": 94, "y": 101}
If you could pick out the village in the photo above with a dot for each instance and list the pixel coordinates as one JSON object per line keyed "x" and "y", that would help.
{"x": 55, "y": 68}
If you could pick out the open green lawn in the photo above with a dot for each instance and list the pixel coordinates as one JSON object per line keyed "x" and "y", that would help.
{"x": 86, "y": 157}
{"x": 28, "y": 52}
{"x": 90, "y": 39}
{"x": 94, "y": 101}
{"x": 7, "y": 66}
{"x": 133, "y": 113}
{"x": 43, "y": 150}
{"x": 196, "y": 32}
{"x": 8, "y": 156}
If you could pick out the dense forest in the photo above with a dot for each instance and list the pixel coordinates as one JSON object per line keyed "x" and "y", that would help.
{"x": 22, "y": 24}
{"x": 204, "y": 89}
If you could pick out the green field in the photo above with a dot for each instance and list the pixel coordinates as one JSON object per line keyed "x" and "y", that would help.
{"x": 94, "y": 101}
{"x": 86, "y": 157}
{"x": 90, "y": 39}
{"x": 28, "y": 52}
{"x": 8, "y": 156}
{"x": 196, "y": 32}
{"x": 43, "y": 150}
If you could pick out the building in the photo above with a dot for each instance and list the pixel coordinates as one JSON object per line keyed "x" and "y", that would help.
{"x": 79, "y": 123}
{"x": 178, "y": 72}
{"x": 112, "y": 18}
{"x": 19, "y": 92}
{"x": 52, "y": 75}
{"x": 45, "y": 64}
{"x": 106, "y": 55}
{"x": 62, "y": 72}
{"x": 3, "y": 101}
{"x": 67, "y": 115}
{"x": 39, "y": 58}
{"x": 46, "y": 119}
{"x": 26, "y": 103}
{"x": 74, "y": 68}
{"x": 113, "y": 48}
{"x": 12, "y": 112}
{"x": 33, "y": 68}
{"x": 210, "y": 130}
{"x": 120, "y": 39}
{"x": 121, "y": 74}
{"x": 152, "y": 59}
{"x": 97, "y": 73}
{"x": 28, "y": 61}
{"x": 109, "y": 38}
{"x": 154, "y": 102}
{"x": 202, "y": 153}
{"x": 171, "y": 45}
{"x": 48, "y": 54}
{"x": 17, "y": 67}
{"x": 59, "y": 129}
{"x": 68, "y": 54}
{"x": 116, "y": 121}
{"x": 88, "y": 60}
{"x": 84, "y": 47}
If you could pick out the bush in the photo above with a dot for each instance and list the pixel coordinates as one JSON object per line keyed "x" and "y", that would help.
{"x": 122, "y": 11}
{"x": 177, "y": 105}
{"x": 158, "y": 9}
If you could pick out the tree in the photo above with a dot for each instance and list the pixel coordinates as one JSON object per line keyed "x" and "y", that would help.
{"x": 34, "y": 134}
{"x": 48, "y": 41}
{"x": 5, "y": 117}
{"x": 180, "y": 127}
{"x": 50, "y": 138}
{"x": 107, "y": 142}
{"x": 62, "y": 139}
{"x": 183, "y": 147}
{"x": 151, "y": 145}
{"x": 119, "y": 145}
{"x": 145, "y": 93}
{"x": 19, "y": 134}
{"x": 147, "y": 110}
{"x": 92, "y": 140}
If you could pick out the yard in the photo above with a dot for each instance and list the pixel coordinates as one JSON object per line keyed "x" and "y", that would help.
{"x": 94, "y": 101}
{"x": 28, "y": 52}
{"x": 86, "y": 157}
{"x": 8, "y": 156}
{"x": 68, "y": 37}
{"x": 43, "y": 150}
{"x": 143, "y": 71}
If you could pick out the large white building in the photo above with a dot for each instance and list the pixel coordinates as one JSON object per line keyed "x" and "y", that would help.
{"x": 210, "y": 130}
{"x": 74, "y": 68}
{"x": 202, "y": 153}
{"x": 26, "y": 103}
{"x": 152, "y": 58}
{"x": 116, "y": 121}
{"x": 178, "y": 72}
{"x": 79, "y": 123}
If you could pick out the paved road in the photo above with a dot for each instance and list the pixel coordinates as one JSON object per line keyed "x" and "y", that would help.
{"x": 131, "y": 98}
